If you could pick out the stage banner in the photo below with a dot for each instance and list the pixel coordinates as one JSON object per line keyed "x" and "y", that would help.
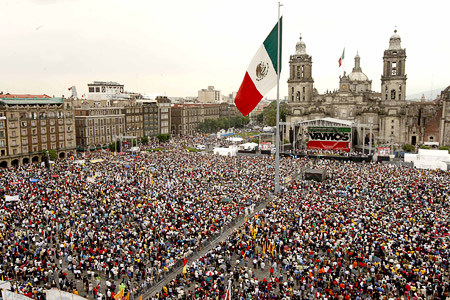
{"x": 330, "y": 138}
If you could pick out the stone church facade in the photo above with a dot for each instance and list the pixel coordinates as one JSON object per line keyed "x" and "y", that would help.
{"x": 392, "y": 118}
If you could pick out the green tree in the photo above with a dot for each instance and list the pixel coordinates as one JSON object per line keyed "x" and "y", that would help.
{"x": 162, "y": 138}
{"x": 260, "y": 118}
{"x": 270, "y": 113}
{"x": 53, "y": 154}
{"x": 424, "y": 147}
{"x": 408, "y": 148}
{"x": 112, "y": 147}
{"x": 214, "y": 125}
{"x": 144, "y": 140}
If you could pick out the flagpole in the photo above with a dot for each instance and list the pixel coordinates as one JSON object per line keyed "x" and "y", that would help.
{"x": 277, "y": 141}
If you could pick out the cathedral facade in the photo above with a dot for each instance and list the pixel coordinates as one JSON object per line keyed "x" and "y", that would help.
{"x": 392, "y": 118}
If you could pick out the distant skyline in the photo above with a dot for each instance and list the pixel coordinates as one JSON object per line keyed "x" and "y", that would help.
{"x": 179, "y": 47}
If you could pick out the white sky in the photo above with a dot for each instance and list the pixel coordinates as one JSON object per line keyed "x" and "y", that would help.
{"x": 178, "y": 47}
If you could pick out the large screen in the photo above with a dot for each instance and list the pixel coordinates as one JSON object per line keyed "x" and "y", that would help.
{"x": 330, "y": 138}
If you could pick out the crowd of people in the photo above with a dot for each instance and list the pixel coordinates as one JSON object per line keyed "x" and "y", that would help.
{"x": 371, "y": 231}
{"x": 96, "y": 224}
{"x": 121, "y": 218}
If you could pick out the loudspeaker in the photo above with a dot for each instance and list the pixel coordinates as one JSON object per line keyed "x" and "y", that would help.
{"x": 119, "y": 146}
{"x": 315, "y": 174}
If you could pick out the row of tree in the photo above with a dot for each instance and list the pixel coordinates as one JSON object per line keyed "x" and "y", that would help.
{"x": 214, "y": 125}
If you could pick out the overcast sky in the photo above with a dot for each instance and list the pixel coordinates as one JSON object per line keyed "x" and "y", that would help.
{"x": 177, "y": 47}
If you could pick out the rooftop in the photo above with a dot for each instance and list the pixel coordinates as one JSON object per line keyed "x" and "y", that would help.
{"x": 23, "y": 96}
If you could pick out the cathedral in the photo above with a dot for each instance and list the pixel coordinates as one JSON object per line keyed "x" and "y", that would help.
{"x": 391, "y": 119}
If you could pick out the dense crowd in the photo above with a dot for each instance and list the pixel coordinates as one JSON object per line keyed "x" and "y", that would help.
{"x": 371, "y": 231}
{"x": 88, "y": 225}
{"x": 110, "y": 222}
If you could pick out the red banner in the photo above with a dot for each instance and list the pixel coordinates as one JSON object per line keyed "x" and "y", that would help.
{"x": 329, "y": 145}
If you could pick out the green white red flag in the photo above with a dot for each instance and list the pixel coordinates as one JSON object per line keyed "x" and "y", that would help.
{"x": 261, "y": 75}
{"x": 341, "y": 58}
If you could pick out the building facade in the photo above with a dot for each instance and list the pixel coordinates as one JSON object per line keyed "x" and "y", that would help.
{"x": 164, "y": 115}
{"x": 392, "y": 118}
{"x": 187, "y": 117}
{"x": 30, "y": 124}
{"x": 97, "y": 127}
{"x": 209, "y": 95}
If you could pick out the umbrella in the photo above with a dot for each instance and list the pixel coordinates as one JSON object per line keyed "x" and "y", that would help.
{"x": 55, "y": 175}
{"x": 127, "y": 166}
{"x": 34, "y": 180}
{"x": 380, "y": 290}
{"x": 226, "y": 200}
{"x": 376, "y": 259}
{"x": 209, "y": 273}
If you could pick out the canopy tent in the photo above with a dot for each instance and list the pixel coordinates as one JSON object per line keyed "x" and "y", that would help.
{"x": 248, "y": 146}
{"x": 235, "y": 139}
{"x": 231, "y": 151}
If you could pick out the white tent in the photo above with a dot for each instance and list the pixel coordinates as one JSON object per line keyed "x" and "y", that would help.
{"x": 248, "y": 146}
{"x": 235, "y": 139}
{"x": 429, "y": 159}
{"x": 231, "y": 151}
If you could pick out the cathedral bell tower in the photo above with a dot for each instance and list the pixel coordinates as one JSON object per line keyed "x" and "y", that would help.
{"x": 393, "y": 80}
{"x": 300, "y": 82}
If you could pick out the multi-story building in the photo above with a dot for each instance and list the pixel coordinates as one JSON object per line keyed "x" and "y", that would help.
{"x": 393, "y": 119}
{"x": 164, "y": 114}
{"x": 150, "y": 117}
{"x": 30, "y": 124}
{"x": 97, "y": 127}
{"x": 209, "y": 95}
{"x": 134, "y": 119}
{"x": 187, "y": 117}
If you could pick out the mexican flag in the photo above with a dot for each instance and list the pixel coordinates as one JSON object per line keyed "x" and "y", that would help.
{"x": 341, "y": 58}
{"x": 261, "y": 75}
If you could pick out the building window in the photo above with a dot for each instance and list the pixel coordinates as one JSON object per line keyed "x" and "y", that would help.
{"x": 298, "y": 96}
{"x": 431, "y": 138}
{"x": 91, "y": 89}
{"x": 97, "y": 90}
{"x": 392, "y": 94}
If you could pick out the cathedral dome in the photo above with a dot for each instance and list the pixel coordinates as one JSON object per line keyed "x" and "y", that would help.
{"x": 358, "y": 76}
{"x": 300, "y": 48}
{"x": 357, "y": 73}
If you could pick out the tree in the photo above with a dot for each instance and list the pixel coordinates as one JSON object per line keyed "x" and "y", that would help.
{"x": 408, "y": 148}
{"x": 260, "y": 118}
{"x": 213, "y": 125}
{"x": 144, "y": 140}
{"x": 112, "y": 147}
{"x": 53, "y": 154}
{"x": 162, "y": 138}
{"x": 270, "y": 113}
